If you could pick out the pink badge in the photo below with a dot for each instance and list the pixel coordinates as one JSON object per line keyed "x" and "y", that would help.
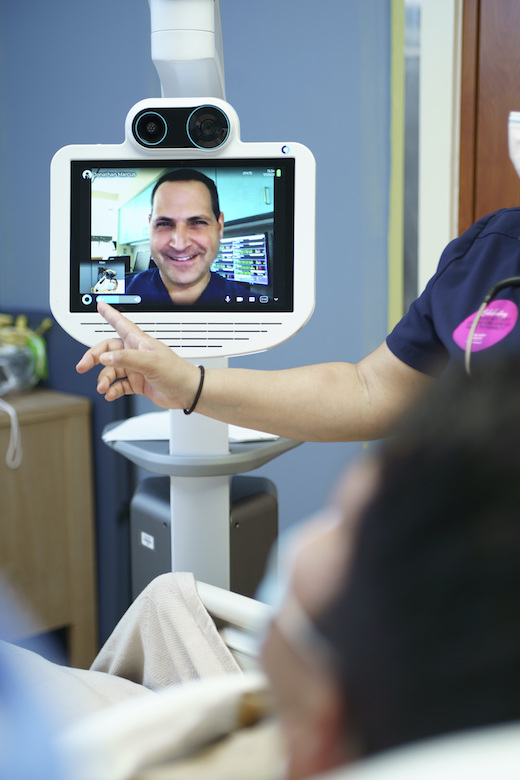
{"x": 498, "y": 319}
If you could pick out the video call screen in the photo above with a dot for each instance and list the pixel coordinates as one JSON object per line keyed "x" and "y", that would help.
{"x": 138, "y": 261}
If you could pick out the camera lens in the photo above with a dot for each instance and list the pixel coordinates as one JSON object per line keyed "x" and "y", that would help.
{"x": 150, "y": 128}
{"x": 208, "y": 127}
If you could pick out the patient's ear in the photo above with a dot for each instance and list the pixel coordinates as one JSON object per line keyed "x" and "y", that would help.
{"x": 317, "y": 741}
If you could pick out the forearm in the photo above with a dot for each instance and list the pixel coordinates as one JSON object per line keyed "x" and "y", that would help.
{"x": 324, "y": 402}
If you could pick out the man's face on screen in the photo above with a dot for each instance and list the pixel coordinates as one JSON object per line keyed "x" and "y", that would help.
{"x": 184, "y": 236}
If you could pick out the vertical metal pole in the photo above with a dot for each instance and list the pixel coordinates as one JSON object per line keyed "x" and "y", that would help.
{"x": 200, "y": 506}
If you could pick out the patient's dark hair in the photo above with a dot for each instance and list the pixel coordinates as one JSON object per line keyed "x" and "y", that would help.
{"x": 427, "y": 627}
{"x": 189, "y": 174}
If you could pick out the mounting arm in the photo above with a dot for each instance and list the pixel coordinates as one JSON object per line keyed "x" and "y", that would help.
{"x": 187, "y": 47}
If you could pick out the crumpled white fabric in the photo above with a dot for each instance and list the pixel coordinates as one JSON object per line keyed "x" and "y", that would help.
{"x": 14, "y": 454}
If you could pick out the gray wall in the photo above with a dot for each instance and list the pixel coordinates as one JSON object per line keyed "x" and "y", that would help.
{"x": 296, "y": 70}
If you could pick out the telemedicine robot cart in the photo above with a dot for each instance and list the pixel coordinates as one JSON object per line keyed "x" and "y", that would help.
{"x": 199, "y": 459}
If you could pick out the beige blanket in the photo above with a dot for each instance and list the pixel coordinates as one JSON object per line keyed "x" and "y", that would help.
{"x": 166, "y": 637}
{"x": 163, "y": 691}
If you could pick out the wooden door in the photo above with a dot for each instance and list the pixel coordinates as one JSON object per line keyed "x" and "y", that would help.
{"x": 490, "y": 90}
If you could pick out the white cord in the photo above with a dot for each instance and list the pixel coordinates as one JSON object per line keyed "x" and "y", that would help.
{"x": 469, "y": 342}
{"x": 14, "y": 454}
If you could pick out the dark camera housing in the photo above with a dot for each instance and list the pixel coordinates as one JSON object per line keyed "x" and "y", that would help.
{"x": 199, "y": 127}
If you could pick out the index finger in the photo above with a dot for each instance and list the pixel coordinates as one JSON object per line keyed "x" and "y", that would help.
{"x": 114, "y": 318}
{"x": 123, "y": 327}
{"x": 131, "y": 335}
{"x": 128, "y": 332}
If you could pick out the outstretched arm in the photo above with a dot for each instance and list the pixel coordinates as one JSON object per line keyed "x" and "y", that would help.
{"x": 323, "y": 402}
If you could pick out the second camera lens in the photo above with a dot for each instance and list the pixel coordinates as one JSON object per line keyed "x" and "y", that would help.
{"x": 150, "y": 128}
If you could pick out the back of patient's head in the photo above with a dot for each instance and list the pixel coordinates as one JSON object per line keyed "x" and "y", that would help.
{"x": 427, "y": 627}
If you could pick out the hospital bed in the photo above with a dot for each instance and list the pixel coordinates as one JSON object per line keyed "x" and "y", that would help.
{"x": 175, "y": 736}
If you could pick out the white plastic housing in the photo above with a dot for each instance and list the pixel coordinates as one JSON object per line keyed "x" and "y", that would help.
{"x": 215, "y": 331}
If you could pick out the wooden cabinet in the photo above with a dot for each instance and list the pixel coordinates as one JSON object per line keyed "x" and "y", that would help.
{"x": 47, "y": 517}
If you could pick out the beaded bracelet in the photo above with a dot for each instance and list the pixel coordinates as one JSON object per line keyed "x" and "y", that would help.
{"x": 197, "y": 395}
